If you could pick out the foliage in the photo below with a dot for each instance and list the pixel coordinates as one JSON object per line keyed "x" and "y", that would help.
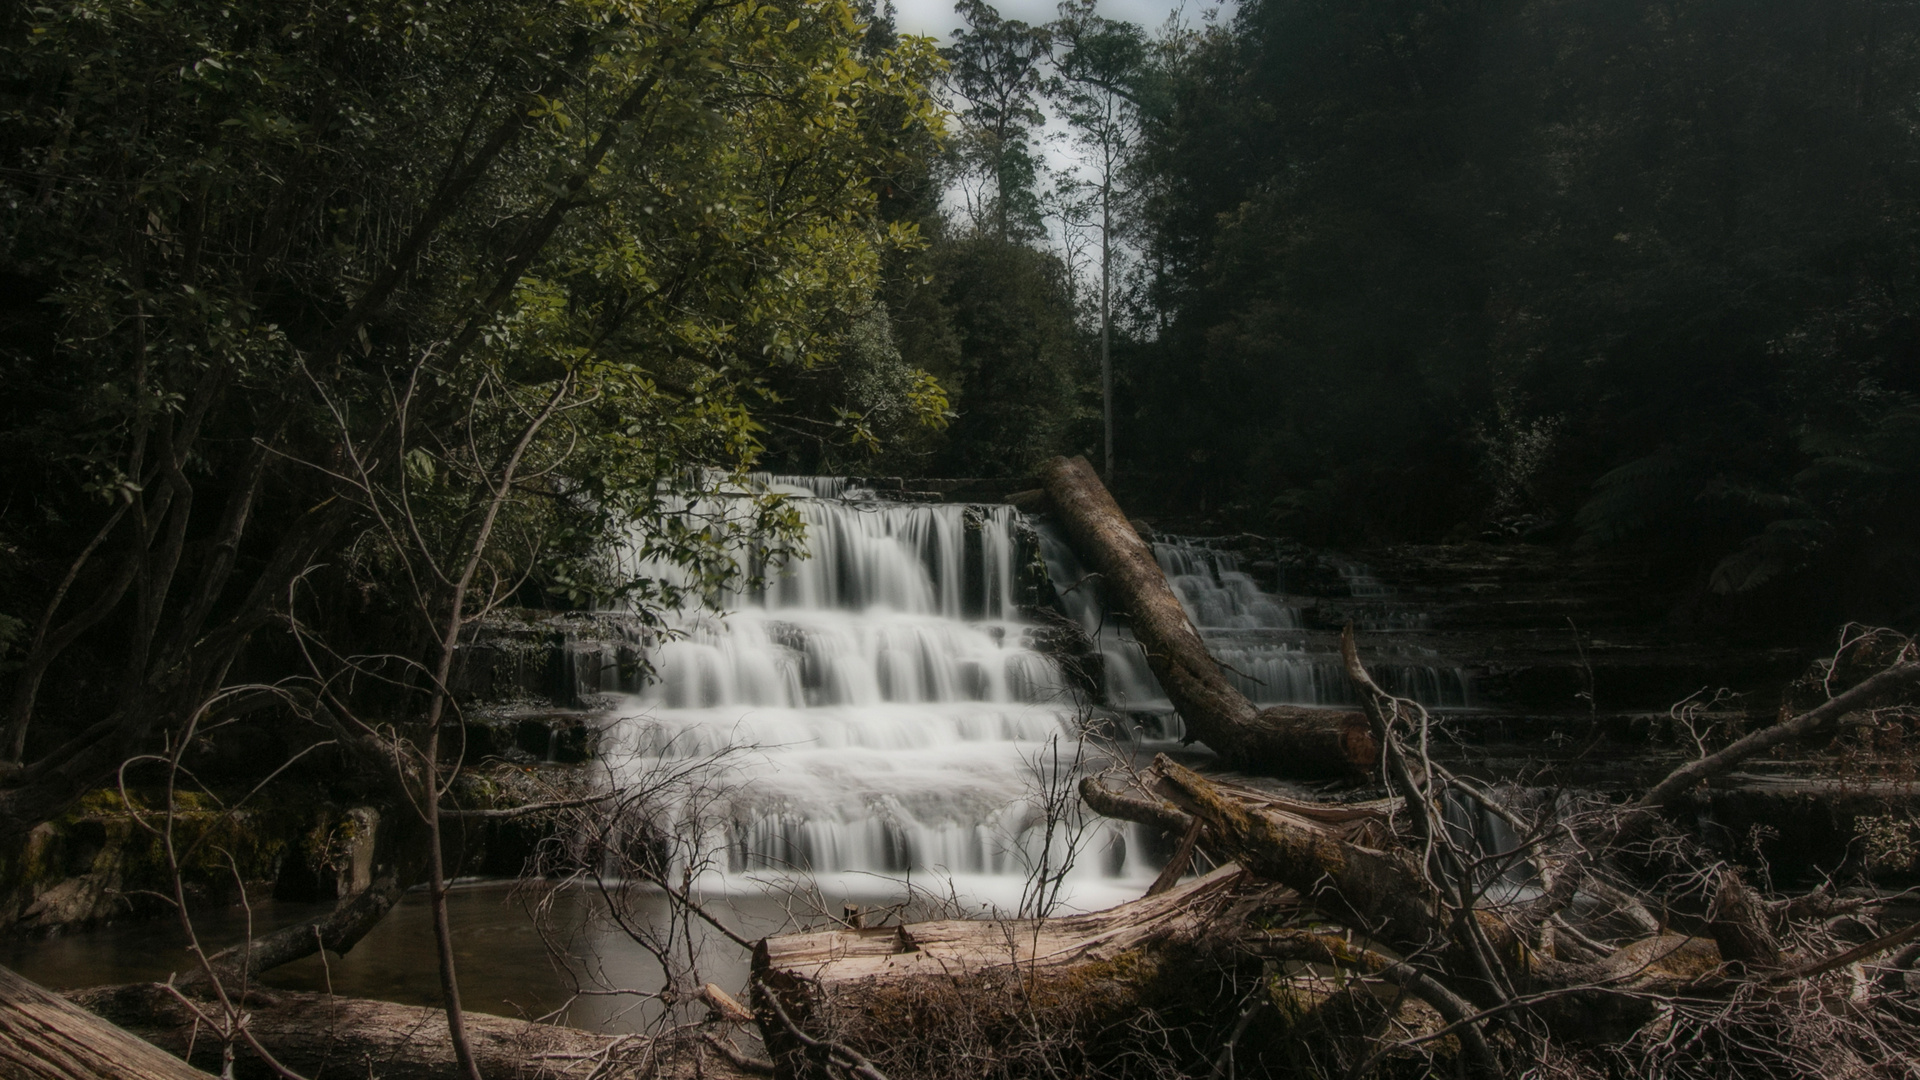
{"x": 1023, "y": 376}
{"x": 268, "y": 253}
{"x": 1679, "y": 237}
{"x": 997, "y": 72}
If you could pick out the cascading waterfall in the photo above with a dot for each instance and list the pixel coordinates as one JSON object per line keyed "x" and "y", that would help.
{"x": 1256, "y": 635}
{"x": 875, "y": 712}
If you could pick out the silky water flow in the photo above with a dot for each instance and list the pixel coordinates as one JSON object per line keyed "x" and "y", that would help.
{"x": 1257, "y": 636}
{"x": 875, "y": 717}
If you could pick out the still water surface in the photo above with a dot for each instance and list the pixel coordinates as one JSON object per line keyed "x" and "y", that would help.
{"x": 507, "y": 966}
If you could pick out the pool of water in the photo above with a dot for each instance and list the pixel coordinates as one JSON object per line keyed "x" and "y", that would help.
{"x": 510, "y": 964}
{"x": 566, "y": 965}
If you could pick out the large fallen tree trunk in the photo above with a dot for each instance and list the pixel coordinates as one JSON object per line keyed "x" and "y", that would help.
{"x": 1324, "y": 856}
{"x": 924, "y": 999}
{"x": 1280, "y": 740}
{"x": 46, "y": 1037}
{"x": 1388, "y": 939}
{"x": 320, "y": 1034}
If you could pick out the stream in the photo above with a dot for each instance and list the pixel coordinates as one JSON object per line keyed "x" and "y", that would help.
{"x": 882, "y": 715}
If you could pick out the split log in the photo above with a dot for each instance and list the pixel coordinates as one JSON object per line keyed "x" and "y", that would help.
{"x": 320, "y": 1034}
{"x": 46, "y": 1037}
{"x": 1737, "y": 920}
{"x": 1280, "y": 740}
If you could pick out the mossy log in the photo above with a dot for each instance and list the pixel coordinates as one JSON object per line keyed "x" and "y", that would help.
{"x": 343, "y": 1036}
{"x": 1281, "y": 740}
{"x": 46, "y": 1037}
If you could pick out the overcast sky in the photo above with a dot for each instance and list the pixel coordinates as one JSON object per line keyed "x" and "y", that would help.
{"x": 936, "y": 18}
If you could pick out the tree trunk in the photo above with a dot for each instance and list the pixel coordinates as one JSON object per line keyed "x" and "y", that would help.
{"x": 44, "y": 1037}
{"x": 1282, "y": 740}
{"x": 1295, "y": 845}
{"x": 318, "y": 1034}
{"x": 917, "y": 998}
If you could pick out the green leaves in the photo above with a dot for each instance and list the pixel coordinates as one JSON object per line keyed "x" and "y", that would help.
{"x": 376, "y": 236}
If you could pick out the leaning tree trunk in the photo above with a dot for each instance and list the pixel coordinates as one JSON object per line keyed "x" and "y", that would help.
{"x": 1280, "y": 740}
{"x": 44, "y": 1037}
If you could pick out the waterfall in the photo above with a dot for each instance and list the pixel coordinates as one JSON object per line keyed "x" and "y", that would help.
{"x": 878, "y": 710}
{"x": 1257, "y": 636}
{"x": 875, "y": 711}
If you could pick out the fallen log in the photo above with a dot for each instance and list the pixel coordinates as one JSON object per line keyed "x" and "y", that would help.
{"x": 1280, "y": 740}
{"x": 320, "y": 1034}
{"x": 921, "y": 998}
{"x": 46, "y": 1037}
{"x": 1319, "y": 851}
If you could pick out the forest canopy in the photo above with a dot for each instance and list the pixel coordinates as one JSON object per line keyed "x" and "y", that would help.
{"x": 1578, "y": 271}
{"x": 321, "y": 295}
{"x": 352, "y": 317}
{"x": 1575, "y": 272}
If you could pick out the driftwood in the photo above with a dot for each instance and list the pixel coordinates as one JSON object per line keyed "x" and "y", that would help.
{"x": 1285, "y": 842}
{"x": 319, "y": 1034}
{"x": 1280, "y": 740}
{"x": 46, "y": 1037}
{"x": 1380, "y": 945}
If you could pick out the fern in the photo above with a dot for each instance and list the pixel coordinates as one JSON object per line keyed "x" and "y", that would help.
{"x": 1631, "y": 497}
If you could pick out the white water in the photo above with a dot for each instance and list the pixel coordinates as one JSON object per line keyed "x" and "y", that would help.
{"x": 1254, "y": 634}
{"x": 874, "y": 714}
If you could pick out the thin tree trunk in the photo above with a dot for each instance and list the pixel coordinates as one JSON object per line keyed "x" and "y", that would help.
{"x": 1106, "y": 318}
{"x": 436, "y": 708}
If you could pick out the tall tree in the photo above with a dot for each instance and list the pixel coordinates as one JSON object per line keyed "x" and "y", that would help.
{"x": 276, "y": 271}
{"x": 1101, "y": 66}
{"x": 997, "y": 70}
{"x": 1625, "y": 273}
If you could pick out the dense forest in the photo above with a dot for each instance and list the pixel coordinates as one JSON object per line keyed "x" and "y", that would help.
{"x": 1585, "y": 272}
{"x": 343, "y": 342}
{"x": 1580, "y": 273}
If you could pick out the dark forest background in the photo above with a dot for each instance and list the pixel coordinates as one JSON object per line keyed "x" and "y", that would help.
{"x": 1627, "y": 276}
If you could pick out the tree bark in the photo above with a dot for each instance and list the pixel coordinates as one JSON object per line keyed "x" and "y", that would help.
{"x": 1890, "y": 686}
{"x": 1281, "y": 740}
{"x": 337, "y": 931}
{"x": 924, "y": 995}
{"x": 45, "y": 1037}
{"x": 1377, "y": 891}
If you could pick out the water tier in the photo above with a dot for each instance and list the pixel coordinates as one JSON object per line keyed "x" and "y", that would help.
{"x": 875, "y": 713}
{"x": 1256, "y": 635}
{"x": 878, "y": 711}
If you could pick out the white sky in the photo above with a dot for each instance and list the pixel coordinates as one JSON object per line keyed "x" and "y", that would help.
{"x": 936, "y": 18}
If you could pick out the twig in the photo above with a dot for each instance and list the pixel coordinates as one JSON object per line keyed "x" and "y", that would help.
{"x": 739, "y": 1060}
{"x": 1853, "y": 955}
{"x": 853, "y": 1061}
